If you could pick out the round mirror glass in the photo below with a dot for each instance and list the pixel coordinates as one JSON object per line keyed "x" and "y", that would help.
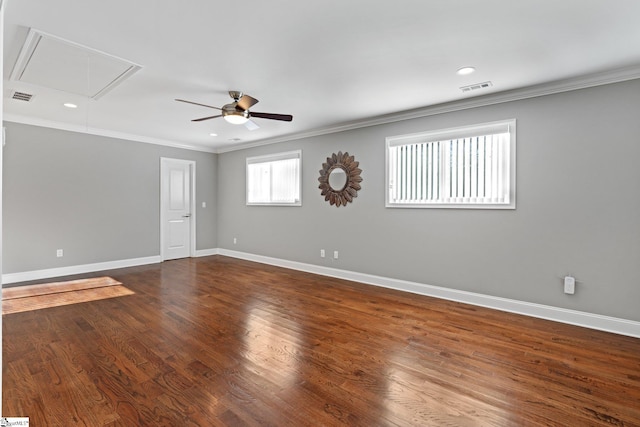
{"x": 338, "y": 179}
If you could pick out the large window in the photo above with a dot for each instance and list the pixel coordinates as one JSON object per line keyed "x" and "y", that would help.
{"x": 467, "y": 167}
{"x": 274, "y": 179}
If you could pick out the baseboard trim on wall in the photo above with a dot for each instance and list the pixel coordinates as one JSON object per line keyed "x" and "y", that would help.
{"x": 207, "y": 252}
{"x": 77, "y": 269}
{"x": 572, "y": 317}
{"x": 90, "y": 268}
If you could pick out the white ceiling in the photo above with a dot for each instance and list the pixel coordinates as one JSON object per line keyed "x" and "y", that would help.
{"x": 329, "y": 63}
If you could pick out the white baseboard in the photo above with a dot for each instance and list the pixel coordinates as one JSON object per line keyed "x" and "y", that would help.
{"x": 572, "y": 317}
{"x": 77, "y": 269}
{"x": 207, "y": 252}
{"x": 26, "y": 276}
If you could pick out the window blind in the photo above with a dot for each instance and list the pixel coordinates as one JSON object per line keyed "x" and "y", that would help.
{"x": 274, "y": 179}
{"x": 473, "y": 169}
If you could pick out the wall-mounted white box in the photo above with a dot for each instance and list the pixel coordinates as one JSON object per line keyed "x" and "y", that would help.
{"x": 569, "y": 285}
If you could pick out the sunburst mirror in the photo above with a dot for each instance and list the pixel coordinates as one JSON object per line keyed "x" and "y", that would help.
{"x": 340, "y": 179}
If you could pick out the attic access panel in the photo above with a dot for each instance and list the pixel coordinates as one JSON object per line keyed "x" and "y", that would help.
{"x": 55, "y": 63}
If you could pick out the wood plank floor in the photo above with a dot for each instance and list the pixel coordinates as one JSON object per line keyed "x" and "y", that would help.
{"x": 217, "y": 341}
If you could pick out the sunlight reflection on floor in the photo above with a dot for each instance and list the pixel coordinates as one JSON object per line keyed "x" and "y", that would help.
{"x": 35, "y": 297}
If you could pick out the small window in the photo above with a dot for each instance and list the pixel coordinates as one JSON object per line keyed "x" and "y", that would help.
{"x": 274, "y": 179}
{"x": 466, "y": 167}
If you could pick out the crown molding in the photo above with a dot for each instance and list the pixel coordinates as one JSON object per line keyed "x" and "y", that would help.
{"x": 15, "y": 118}
{"x": 559, "y": 86}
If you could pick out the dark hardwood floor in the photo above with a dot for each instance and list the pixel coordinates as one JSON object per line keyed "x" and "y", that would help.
{"x": 217, "y": 341}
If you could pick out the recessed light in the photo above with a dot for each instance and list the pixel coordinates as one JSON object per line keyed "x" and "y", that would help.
{"x": 213, "y": 134}
{"x": 70, "y": 105}
{"x": 465, "y": 70}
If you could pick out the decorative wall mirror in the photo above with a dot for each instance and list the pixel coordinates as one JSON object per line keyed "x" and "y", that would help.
{"x": 340, "y": 179}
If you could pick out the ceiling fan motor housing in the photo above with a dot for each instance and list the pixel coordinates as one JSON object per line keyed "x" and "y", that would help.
{"x": 233, "y": 110}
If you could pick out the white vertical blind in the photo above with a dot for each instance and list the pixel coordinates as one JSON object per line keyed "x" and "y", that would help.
{"x": 284, "y": 181}
{"x": 471, "y": 169}
{"x": 259, "y": 182}
{"x": 274, "y": 179}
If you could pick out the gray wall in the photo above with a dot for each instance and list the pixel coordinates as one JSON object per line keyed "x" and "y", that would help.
{"x": 577, "y": 205}
{"x": 577, "y": 211}
{"x": 95, "y": 197}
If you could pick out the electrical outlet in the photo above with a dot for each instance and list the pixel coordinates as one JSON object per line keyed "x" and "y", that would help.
{"x": 335, "y": 254}
{"x": 235, "y": 240}
{"x": 59, "y": 253}
{"x": 322, "y": 254}
{"x": 569, "y": 285}
{"x": 204, "y": 204}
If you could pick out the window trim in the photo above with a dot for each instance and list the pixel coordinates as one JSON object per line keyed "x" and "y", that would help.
{"x": 456, "y": 133}
{"x": 295, "y": 154}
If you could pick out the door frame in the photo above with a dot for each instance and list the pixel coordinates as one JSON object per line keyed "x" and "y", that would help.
{"x": 192, "y": 204}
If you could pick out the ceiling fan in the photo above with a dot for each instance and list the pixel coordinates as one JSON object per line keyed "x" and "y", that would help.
{"x": 238, "y": 112}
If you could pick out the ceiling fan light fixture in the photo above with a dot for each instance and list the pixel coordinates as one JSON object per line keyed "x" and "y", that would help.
{"x": 234, "y": 115}
{"x": 235, "y": 118}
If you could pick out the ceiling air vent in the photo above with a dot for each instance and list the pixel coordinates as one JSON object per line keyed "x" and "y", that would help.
{"x": 476, "y": 86}
{"x": 21, "y": 96}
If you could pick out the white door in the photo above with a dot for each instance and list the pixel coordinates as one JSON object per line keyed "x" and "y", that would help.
{"x": 177, "y": 208}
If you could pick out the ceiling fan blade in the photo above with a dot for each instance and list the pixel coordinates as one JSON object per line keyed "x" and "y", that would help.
{"x": 283, "y": 117}
{"x": 206, "y": 118}
{"x": 247, "y": 102}
{"x": 251, "y": 125}
{"x": 196, "y": 103}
